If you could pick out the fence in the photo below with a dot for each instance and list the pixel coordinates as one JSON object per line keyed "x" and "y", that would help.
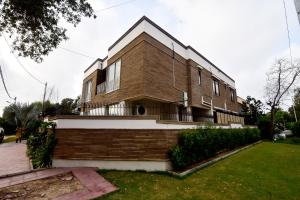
{"x": 162, "y": 112}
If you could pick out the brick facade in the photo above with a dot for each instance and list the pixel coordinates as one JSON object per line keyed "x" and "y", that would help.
{"x": 147, "y": 74}
{"x": 114, "y": 144}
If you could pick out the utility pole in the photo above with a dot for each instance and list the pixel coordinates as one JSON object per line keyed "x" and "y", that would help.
{"x": 44, "y": 96}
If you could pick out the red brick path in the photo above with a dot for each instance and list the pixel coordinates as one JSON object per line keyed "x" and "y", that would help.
{"x": 13, "y": 158}
{"x": 93, "y": 184}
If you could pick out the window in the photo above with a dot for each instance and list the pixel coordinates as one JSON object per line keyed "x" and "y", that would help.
{"x": 88, "y": 91}
{"x": 199, "y": 77}
{"x": 113, "y": 76}
{"x": 232, "y": 94}
{"x": 216, "y": 87}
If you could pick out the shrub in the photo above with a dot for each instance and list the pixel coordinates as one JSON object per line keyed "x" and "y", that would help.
{"x": 196, "y": 145}
{"x": 295, "y": 128}
{"x": 178, "y": 157}
{"x": 32, "y": 127}
{"x": 264, "y": 125}
{"x": 41, "y": 144}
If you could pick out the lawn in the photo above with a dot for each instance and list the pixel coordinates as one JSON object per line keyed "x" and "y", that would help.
{"x": 265, "y": 171}
{"x": 10, "y": 139}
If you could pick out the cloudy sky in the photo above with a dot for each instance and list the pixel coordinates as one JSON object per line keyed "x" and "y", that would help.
{"x": 241, "y": 37}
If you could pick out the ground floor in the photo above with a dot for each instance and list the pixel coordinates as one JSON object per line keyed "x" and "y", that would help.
{"x": 166, "y": 111}
{"x": 118, "y": 142}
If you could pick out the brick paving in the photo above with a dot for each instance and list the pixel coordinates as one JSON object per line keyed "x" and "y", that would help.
{"x": 93, "y": 184}
{"x": 13, "y": 158}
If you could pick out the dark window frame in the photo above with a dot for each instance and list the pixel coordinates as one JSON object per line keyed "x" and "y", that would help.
{"x": 216, "y": 87}
{"x": 199, "y": 77}
{"x": 232, "y": 95}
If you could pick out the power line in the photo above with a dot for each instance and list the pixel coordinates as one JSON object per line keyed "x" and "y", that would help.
{"x": 76, "y": 52}
{"x": 114, "y": 6}
{"x": 30, "y": 74}
{"x": 288, "y": 31}
{"x": 6, "y": 90}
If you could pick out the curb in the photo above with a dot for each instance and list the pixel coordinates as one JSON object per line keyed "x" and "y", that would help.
{"x": 21, "y": 173}
{"x": 211, "y": 162}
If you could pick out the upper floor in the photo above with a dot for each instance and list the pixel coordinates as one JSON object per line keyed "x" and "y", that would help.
{"x": 148, "y": 63}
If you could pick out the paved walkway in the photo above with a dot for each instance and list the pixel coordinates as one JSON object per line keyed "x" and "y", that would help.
{"x": 13, "y": 158}
{"x": 93, "y": 184}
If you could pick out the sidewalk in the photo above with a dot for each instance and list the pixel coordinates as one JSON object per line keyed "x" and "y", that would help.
{"x": 13, "y": 158}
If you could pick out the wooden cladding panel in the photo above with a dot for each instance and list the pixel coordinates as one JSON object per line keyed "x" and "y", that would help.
{"x": 114, "y": 144}
{"x": 147, "y": 71}
{"x": 158, "y": 72}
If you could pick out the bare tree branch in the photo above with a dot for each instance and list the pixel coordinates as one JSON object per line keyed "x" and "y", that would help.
{"x": 280, "y": 79}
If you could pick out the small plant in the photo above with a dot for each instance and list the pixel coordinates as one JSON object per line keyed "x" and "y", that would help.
{"x": 41, "y": 144}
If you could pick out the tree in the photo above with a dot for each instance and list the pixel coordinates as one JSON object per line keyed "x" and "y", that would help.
{"x": 34, "y": 25}
{"x": 296, "y": 104}
{"x": 5, "y": 126}
{"x": 9, "y": 123}
{"x": 66, "y": 106}
{"x": 24, "y": 113}
{"x": 281, "y": 78}
{"x": 252, "y": 109}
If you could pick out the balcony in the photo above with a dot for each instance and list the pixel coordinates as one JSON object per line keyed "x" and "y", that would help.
{"x": 109, "y": 86}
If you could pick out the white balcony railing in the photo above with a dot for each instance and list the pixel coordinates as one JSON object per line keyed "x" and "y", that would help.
{"x": 108, "y": 86}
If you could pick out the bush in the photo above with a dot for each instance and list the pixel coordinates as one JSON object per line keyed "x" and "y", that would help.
{"x": 294, "y": 127}
{"x": 264, "y": 125}
{"x": 32, "y": 127}
{"x": 41, "y": 144}
{"x": 177, "y": 157}
{"x": 196, "y": 145}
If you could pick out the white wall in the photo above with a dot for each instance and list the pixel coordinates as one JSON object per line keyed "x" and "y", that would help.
{"x": 122, "y": 124}
{"x": 96, "y": 65}
{"x": 115, "y": 164}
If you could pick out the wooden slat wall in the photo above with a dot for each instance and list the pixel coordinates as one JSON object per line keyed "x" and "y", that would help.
{"x": 114, "y": 144}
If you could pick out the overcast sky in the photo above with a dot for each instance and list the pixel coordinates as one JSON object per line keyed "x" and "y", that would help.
{"x": 241, "y": 37}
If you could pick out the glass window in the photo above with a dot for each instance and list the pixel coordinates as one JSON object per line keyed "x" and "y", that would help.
{"x": 199, "y": 77}
{"x": 111, "y": 73}
{"x": 232, "y": 94}
{"x": 216, "y": 88}
{"x": 88, "y": 95}
{"x": 117, "y": 74}
{"x": 117, "y": 70}
{"x": 113, "y": 76}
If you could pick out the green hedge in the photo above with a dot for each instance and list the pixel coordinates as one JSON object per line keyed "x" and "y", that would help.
{"x": 41, "y": 144}
{"x": 294, "y": 127}
{"x": 195, "y": 145}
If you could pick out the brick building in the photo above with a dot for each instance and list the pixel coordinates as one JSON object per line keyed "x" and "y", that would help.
{"x": 148, "y": 72}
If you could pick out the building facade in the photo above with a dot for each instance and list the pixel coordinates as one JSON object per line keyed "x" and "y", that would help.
{"x": 148, "y": 72}
{"x": 297, "y": 5}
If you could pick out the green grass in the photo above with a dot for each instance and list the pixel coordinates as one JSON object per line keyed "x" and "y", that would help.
{"x": 265, "y": 171}
{"x": 10, "y": 139}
